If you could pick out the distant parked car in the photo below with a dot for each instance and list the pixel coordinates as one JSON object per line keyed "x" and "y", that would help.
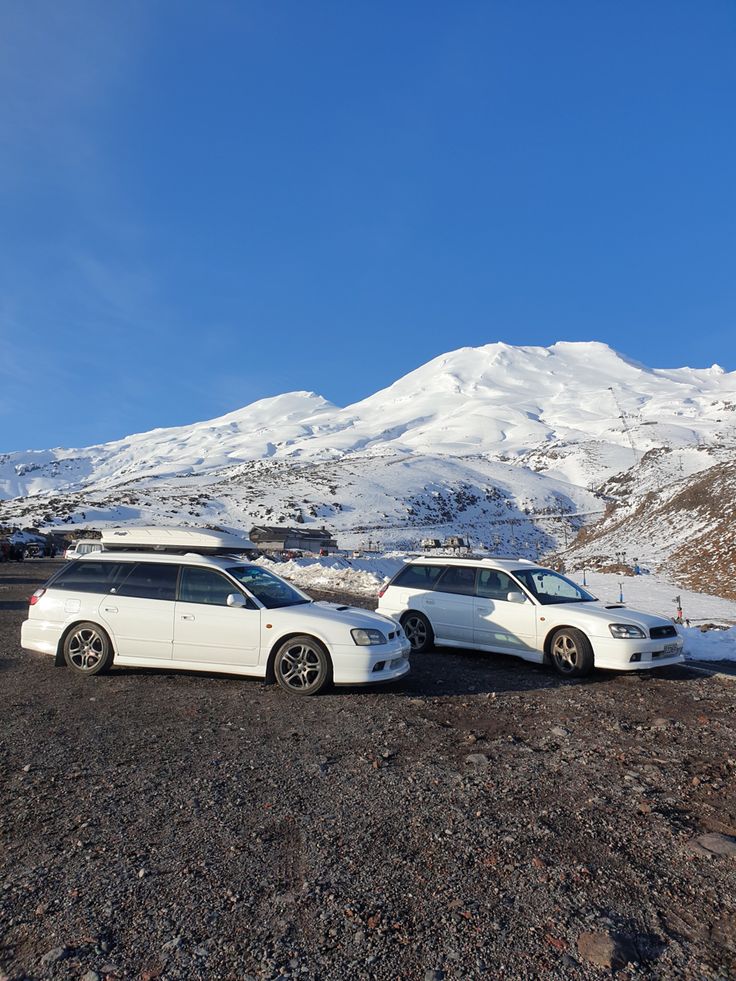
{"x": 32, "y": 550}
{"x": 82, "y": 547}
{"x": 516, "y": 607}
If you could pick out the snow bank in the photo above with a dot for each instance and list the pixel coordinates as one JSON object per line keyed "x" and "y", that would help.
{"x": 339, "y": 573}
{"x": 711, "y": 645}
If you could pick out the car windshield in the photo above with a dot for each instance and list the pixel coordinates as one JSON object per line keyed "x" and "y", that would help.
{"x": 550, "y": 587}
{"x": 266, "y": 587}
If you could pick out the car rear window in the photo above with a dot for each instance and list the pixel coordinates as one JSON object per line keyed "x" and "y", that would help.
{"x": 150, "y": 580}
{"x": 418, "y": 576}
{"x": 91, "y": 577}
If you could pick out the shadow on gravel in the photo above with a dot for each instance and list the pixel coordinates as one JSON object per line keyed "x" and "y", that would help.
{"x": 13, "y": 604}
{"x": 440, "y": 673}
{"x": 18, "y": 580}
{"x": 436, "y": 674}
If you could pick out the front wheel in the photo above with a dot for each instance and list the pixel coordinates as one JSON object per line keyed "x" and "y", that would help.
{"x": 571, "y": 653}
{"x": 87, "y": 649}
{"x": 302, "y": 666}
{"x": 418, "y": 631}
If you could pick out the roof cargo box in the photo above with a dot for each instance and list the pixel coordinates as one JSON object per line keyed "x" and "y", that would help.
{"x": 201, "y": 540}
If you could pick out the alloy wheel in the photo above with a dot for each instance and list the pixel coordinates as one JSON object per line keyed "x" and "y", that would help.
{"x": 86, "y": 648}
{"x": 301, "y": 667}
{"x": 565, "y": 653}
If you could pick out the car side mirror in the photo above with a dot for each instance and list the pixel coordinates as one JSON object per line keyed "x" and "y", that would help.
{"x": 516, "y": 597}
{"x": 237, "y": 600}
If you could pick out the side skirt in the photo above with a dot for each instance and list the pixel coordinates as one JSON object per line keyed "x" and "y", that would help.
{"x": 536, "y": 657}
{"x": 245, "y": 670}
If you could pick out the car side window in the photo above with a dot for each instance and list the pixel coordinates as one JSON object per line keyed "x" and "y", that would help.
{"x": 150, "y": 580}
{"x": 416, "y": 576}
{"x": 90, "y": 577}
{"x": 493, "y": 584}
{"x": 457, "y": 579}
{"x": 204, "y": 586}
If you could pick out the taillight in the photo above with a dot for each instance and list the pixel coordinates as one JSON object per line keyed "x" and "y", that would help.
{"x": 382, "y": 590}
{"x": 36, "y": 597}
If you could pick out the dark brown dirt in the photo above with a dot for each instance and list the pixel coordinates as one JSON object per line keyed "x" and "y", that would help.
{"x": 481, "y": 820}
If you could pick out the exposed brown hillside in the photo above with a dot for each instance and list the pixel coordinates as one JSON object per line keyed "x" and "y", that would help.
{"x": 691, "y": 531}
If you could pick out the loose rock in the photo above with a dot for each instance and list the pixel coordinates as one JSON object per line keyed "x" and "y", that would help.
{"x": 606, "y": 950}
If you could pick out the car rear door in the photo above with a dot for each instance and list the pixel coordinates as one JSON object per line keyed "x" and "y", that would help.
{"x": 499, "y": 624}
{"x": 206, "y": 629}
{"x": 451, "y": 605}
{"x": 140, "y": 611}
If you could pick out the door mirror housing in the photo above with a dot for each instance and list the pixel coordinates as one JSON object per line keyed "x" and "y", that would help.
{"x": 237, "y": 600}
{"x": 515, "y": 597}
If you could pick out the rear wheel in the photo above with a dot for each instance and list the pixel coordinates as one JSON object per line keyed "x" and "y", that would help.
{"x": 418, "y": 631}
{"x": 87, "y": 649}
{"x": 302, "y": 666}
{"x": 571, "y": 653}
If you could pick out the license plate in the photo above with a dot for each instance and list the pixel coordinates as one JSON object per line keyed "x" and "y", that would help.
{"x": 670, "y": 649}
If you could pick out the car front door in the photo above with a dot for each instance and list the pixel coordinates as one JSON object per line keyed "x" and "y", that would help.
{"x": 451, "y": 605}
{"x": 206, "y": 629}
{"x": 501, "y": 624}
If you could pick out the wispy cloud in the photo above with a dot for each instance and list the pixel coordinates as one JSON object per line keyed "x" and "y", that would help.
{"x": 59, "y": 64}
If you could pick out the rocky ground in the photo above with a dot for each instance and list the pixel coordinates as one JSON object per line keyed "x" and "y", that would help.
{"x": 482, "y": 819}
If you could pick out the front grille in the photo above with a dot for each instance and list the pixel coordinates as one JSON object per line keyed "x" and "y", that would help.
{"x": 657, "y": 633}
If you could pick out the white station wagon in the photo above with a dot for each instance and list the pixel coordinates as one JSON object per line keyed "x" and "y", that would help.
{"x": 517, "y": 607}
{"x": 207, "y": 613}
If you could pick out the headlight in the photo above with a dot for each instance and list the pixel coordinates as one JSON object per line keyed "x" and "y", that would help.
{"x": 367, "y": 638}
{"x": 626, "y": 631}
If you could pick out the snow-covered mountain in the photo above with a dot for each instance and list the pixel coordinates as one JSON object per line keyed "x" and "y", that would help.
{"x": 479, "y": 440}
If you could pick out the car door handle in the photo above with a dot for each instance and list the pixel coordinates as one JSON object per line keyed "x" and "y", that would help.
{"x": 187, "y": 616}
{"x": 111, "y": 609}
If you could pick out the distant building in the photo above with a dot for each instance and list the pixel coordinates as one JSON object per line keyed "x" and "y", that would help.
{"x": 292, "y": 539}
{"x": 428, "y": 543}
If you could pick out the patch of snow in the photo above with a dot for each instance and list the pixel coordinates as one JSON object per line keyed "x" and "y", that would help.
{"x": 710, "y": 645}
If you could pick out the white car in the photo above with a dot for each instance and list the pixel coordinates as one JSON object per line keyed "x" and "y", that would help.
{"x": 207, "y": 613}
{"x": 82, "y": 547}
{"x": 516, "y": 607}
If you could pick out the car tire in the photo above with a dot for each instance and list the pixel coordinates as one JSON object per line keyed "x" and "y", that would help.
{"x": 87, "y": 649}
{"x": 418, "y": 631}
{"x": 571, "y": 653}
{"x": 302, "y": 666}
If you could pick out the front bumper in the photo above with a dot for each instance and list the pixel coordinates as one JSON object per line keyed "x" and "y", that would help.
{"x": 637, "y": 655}
{"x": 353, "y": 665}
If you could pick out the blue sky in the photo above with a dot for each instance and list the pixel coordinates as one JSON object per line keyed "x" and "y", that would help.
{"x": 203, "y": 204}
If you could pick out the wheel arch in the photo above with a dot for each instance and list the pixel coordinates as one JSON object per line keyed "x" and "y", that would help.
{"x": 408, "y": 612}
{"x": 564, "y": 626}
{"x": 59, "y": 661}
{"x": 271, "y": 674}
{"x": 553, "y": 630}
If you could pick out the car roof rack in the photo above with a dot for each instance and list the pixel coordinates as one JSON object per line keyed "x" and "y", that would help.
{"x": 474, "y": 556}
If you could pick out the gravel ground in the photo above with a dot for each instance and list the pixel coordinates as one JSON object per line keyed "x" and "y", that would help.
{"x": 481, "y": 819}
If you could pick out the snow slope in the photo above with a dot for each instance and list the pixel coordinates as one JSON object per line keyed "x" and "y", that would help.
{"x": 559, "y": 408}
